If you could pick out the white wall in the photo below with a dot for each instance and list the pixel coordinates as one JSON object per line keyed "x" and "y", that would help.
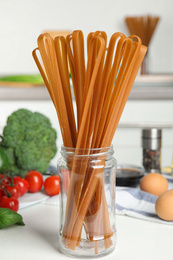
{"x": 127, "y": 141}
{"x": 21, "y": 22}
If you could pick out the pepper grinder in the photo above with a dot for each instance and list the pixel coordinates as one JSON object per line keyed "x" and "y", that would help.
{"x": 151, "y": 143}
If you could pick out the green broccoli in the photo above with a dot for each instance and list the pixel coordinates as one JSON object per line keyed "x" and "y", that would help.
{"x": 29, "y": 141}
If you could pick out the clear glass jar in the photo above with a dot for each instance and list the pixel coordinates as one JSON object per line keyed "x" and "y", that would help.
{"x": 87, "y": 202}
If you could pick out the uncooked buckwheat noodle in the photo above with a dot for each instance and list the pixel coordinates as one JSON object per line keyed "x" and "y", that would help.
{"x": 101, "y": 89}
{"x": 144, "y": 27}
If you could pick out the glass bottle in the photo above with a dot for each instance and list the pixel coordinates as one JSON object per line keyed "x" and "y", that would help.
{"x": 87, "y": 202}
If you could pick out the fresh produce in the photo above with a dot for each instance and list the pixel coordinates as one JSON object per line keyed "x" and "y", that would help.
{"x": 35, "y": 180}
{"x": 4, "y": 180}
{"x": 22, "y": 184}
{"x": 29, "y": 142}
{"x": 4, "y": 164}
{"x": 164, "y": 205}
{"x": 12, "y": 190}
{"x": 51, "y": 185}
{"x": 10, "y": 202}
{"x": 33, "y": 79}
{"x": 154, "y": 183}
{"x": 9, "y": 217}
{"x": 13, "y": 187}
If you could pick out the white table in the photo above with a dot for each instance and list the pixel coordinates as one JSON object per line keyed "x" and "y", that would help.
{"x": 37, "y": 240}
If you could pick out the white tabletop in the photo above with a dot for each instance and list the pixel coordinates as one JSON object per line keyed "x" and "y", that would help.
{"x": 37, "y": 240}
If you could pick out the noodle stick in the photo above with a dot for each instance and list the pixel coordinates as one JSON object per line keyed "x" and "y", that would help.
{"x": 93, "y": 119}
{"x": 117, "y": 88}
{"x": 83, "y": 207}
{"x": 61, "y": 53}
{"x": 91, "y": 86}
{"x": 153, "y": 21}
{"x": 99, "y": 192}
{"x": 96, "y": 203}
{"x": 79, "y": 69}
{"x": 100, "y": 104}
{"x": 107, "y": 138}
{"x": 82, "y": 211}
{"x": 52, "y": 69}
{"x": 113, "y": 73}
{"x": 121, "y": 82}
{"x": 94, "y": 180}
{"x": 80, "y": 135}
{"x": 47, "y": 83}
{"x": 41, "y": 70}
{"x": 83, "y": 145}
{"x": 96, "y": 99}
{"x": 71, "y": 63}
{"x": 142, "y": 26}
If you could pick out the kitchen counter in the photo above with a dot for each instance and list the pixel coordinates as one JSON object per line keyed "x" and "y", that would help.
{"x": 136, "y": 239}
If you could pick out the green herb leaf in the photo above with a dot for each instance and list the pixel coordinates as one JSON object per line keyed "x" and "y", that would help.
{"x": 9, "y": 217}
{"x": 33, "y": 79}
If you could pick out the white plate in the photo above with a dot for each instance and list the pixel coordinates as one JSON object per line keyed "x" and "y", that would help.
{"x": 32, "y": 198}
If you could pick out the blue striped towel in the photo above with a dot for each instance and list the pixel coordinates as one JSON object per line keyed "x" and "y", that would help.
{"x": 135, "y": 203}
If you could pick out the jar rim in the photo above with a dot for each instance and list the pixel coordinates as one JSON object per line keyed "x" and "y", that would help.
{"x": 78, "y": 152}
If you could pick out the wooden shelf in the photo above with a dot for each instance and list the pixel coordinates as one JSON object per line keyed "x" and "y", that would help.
{"x": 149, "y": 87}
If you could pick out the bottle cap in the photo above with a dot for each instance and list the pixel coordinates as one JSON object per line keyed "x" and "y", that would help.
{"x": 151, "y": 138}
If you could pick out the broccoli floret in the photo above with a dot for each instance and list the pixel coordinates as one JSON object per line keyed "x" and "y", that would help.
{"x": 29, "y": 141}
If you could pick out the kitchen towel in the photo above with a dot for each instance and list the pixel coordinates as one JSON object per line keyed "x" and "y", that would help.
{"x": 135, "y": 203}
{"x": 131, "y": 202}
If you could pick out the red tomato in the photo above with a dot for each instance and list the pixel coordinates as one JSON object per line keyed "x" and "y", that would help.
{"x": 51, "y": 185}
{"x": 2, "y": 176}
{"x": 35, "y": 180}
{"x": 11, "y": 190}
{"x": 11, "y": 203}
{"x": 4, "y": 180}
{"x": 22, "y": 185}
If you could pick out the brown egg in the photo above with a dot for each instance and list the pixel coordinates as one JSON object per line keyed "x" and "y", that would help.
{"x": 164, "y": 205}
{"x": 154, "y": 183}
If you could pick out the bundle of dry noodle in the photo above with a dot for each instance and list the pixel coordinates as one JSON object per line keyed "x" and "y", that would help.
{"x": 101, "y": 88}
{"x": 144, "y": 27}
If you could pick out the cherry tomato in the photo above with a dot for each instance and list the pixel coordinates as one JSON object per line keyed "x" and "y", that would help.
{"x": 51, "y": 185}
{"x": 22, "y": 184}
{"x": 9, "y": 202}
{"x": 35, "y": 180}
{"x": 4, "y": 180}
{"x": 11, "y": 190}
{"x": 2, "y": 176}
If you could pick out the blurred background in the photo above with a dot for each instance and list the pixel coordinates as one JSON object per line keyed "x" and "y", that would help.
{"x": 150, "y": 102}
{"x": 22, "y": 21}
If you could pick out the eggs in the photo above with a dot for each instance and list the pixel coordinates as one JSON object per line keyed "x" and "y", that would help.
{"x": 154, "y": 183}
{"x": 164, "y": 205}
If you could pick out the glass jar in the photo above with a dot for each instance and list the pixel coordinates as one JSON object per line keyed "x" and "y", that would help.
{"x": 87, "y": 202}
